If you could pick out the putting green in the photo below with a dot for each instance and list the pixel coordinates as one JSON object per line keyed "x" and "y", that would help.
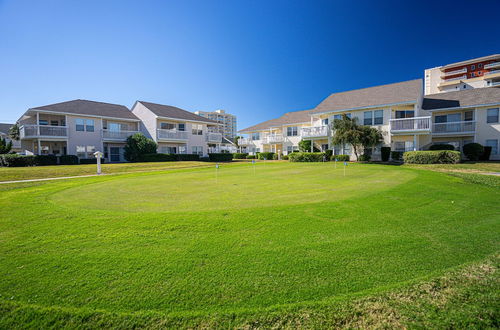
{"x": 184, "y": 242}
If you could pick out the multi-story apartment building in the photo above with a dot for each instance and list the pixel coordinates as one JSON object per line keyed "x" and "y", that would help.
{"x": 177, "y": 131}
{"x": 78, "y": 127}
{"x": 407, "y": 120}
{"x": 475, "y": 73}
{"x": 227, "y": 122}
{"x": 4, "y": 134}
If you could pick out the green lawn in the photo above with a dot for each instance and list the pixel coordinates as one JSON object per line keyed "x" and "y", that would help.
{"x": 252, "y": 244}
{"x": 467, "y": 167}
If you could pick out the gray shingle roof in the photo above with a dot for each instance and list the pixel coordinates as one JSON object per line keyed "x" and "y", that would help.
{"x": 174, "y": 112}
{"x": 90, "y": 108}
{"x": 294, "y": 117}
{"x": 406, "y": 91}
{"x": 464, "y": 98}
{"x": 4, "y": 128}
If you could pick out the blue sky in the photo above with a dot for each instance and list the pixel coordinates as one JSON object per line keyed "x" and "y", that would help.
{"x": 256, "y": 59}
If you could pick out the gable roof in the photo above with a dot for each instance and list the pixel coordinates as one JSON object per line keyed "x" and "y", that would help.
{"x": 461, "y": 99}
{"x": 294, "y": 117}
{"x": 402, "y": 92}
{"x": 169, "y": 111}
{"x": 89, "y": 108}
{"x": 4, "y": 128}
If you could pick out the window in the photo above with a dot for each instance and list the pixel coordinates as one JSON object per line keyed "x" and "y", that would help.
{"x": 54, "y": 123}
{"x": 405, "y": 114}
{"x": 468, "y": 115}
{"x": 378, "y": 117}
{"x": 492, "y": 116}
{"x": 368, "y": 118}
{"x": 324, "y": 122}
{"x": 80, "y": 125}
{"x": 292, "y": 131}
{"x": 182, "y": 149}
{"x": 89, "y": 125}
{"x": 479, "y": 73}
{"x": 337, "y": 117}
{"x": 197, "y": 129}
{"x": 85, "y": 151}
{"x": 43, "y": 122}
{"x": 480, "y": 65}
{"x": 324, "y": 147}
{"x": 197, "y": 150}
{"x": 90, "y": 151}
{"x": 473, "y": 67}
{"x": 473, "y": 74}
{"x": 494, "y": 146}
{"x": 80, "y": 151}
{"x": 182, "y": 127}
{"x": 168, "y": 150}
{"x": 347, "y": 149}
{"x": 84, "y": 125}
{"x": 336, "y": 149}
{"x": 255, "y": 136}
{"x": 167, "y": 126}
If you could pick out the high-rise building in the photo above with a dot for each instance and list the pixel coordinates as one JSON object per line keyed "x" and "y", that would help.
{"x": 227, "y": 121}
{"x": 475, "y": 73}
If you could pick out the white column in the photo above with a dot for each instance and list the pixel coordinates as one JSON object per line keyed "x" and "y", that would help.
{"x": 414, "y": 142}
{"x": 312, "y": 145}
{"x": 38, "y": 123}
{"x": 39, "y": 147}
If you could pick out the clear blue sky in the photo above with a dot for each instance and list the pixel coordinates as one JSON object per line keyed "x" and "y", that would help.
{"x": 256, "y": 59}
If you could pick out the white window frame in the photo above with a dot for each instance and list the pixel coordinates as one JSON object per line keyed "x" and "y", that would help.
{"x": 494, "y": 148}
{"x": 488, "y": 116}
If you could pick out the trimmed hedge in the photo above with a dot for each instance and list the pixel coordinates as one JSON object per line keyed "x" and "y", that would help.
{"x": 220, "y": 157}
{"x": 45, "y": 160}
{"x": 251, "y": 157}
{"x": 15, "y": 160}
{"x": 486, "y": 154}
{"x": 68, "y": 160}
{"x": 365, "y": 158}
{"x": 397, "y": 155}
{"x": 329, "y": 154}
{"x": 306, "y": 156}
{"x": 285, "y": 157}
{"x": 441, "y": 146}
{"x": 385, "y": 153}
{"x": 157, "y": 158}
{"x": 91, "y": 160}
{"x": 187, "y": 157}
{"x": 341, "y": 158}
{"x": 240, "y": 155}
{"x": 473, "y": 151}
{"x": 266, "y": 155}
{"x": 432, "y": 157}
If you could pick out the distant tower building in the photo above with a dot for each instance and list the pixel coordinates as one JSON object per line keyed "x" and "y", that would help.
{"x": 475, "y": 73}
{"x": 228, "y": 121}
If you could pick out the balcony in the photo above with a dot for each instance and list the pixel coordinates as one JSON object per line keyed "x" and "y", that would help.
{"x": 454, "y": 128}
{"x": 43, "y": 131}
{"x": 214, "y": 137}
{"x": 172, "y": 135}
{"x": 116, "y": 135}
{"x": 245, "y": 142}
{"x": 315, "y": 131}
{"x": 273, "y": 139}
{"x": 492, "y": 65}
{"x": 410, "y": 125}
{"x": 454, "y": 72}
{"x": 492, "y": 72}
{"x": 462, "y": 77}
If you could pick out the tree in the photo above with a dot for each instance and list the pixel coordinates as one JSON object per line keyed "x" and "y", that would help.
{"x": 5, "y": 147}
{"x": 237, "y": 140}
{"x": 14, "y": 132}
{"x": 138, "y": 145}
{"x": 347, "y": 131}
{"x": 305, "y": 146}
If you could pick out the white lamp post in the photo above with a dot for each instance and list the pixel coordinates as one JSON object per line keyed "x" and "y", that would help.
{"x": 98, "y": 156}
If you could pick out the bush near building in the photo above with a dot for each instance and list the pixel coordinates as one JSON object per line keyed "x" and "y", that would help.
{"x": 486, "y": 154}
{"x": 307, "y": 156}
{"x": 251, "y": 157}
{"x": 15, "y": 160}
{"x": 266, "y": 155}
{"x": 68, "y": 160}
{"x": 441, "y": 146}
{"x": 385, "y": 153}
{"x": 432, "y": 157}
{"x": 240, "y": 155}
{"x": 396, "y": 155}
{"x": 473, "y": 151}
{"x": 220, "y": 157}
{"x": 341, "y": 158}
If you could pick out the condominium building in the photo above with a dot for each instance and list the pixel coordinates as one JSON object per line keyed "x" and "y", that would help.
{"x": 407, "y": 119}
{"x": 5, "y": 134}
{"x": 227, "y": 122}
{"x": 475, "y": 73}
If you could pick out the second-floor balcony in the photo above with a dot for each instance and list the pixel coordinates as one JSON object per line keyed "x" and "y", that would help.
{"x": 493, "y": 65}
{"x": 492, "y": 72}
{"x": 410, "y": 125}
{"x": 272, "y": 139}
{"x": 454, "y": 72}
{"x": 314, "y": 131}
{"x": 43, "y": 131}
{"x": 116, "y": 135}
{"x": 212, "y": 137}
{"x": 462, "y": 77}
{"x": 172, "y": 135}
{"x": 245, "y": 142}
{"x": 453, "y": 128}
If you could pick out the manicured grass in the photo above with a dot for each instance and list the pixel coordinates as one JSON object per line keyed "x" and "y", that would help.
{"x": 471, "y": 167}
{"x": 186, "y": 248}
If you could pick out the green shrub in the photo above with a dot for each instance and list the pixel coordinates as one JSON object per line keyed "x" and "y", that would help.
{"x": 486, "y": 154}
{"x": 15, "y": 160}
{"x": 473, "y": 151}
{"x": 240, "y": 155}
{"x": 220, "y": 157}
{"x": 157, "y": 158}
{"x": 341, "y": 158}
{"x": 266, "y": 155}
{"x": 385, "y": 153}
{"x": 44, "y": 160}
{"x": 441, "y": 146}
{"x": 306, "y": 156}
{"x": 90, "y": 160}
{"x": 68, "y": 160}
{"x": 251, "y": 157}
{"x": 285, "y": 157}
{"x": 365, "y": 158}
{"x": 397, "y": 155}
{"x": 204, "y": 159}
{"x": 187, "y": 157}
{"x": 138, "y": 145}
{"x": 329, "y": 154}
{"x": 432, "y": 157}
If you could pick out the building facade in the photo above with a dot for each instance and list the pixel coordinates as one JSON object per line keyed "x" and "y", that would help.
{"x": 5, "y": 134}
{"x": 227, "y": 122}
{"x": 475, "y": 73}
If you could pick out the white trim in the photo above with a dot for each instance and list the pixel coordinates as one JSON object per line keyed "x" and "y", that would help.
{"x": 186, "y": 120}
{"x": 465, "y": 107}
{"x": 368, "y": 107}
{"x": 79, "y": 114}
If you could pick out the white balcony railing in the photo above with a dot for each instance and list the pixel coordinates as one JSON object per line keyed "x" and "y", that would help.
{"x": 496, "y": 83}
{"x": 171, "y": 134}
{"x": 491, "y": 72}
{"x": 492, "y": 65}
{"x": 117, "y": 135}
{"x": 214, "y": 137}
{"x": 456, "y": 78}
{"x": 314, "y": 131}
{"x": 245, "y": 142}
{"x": 454, "y": 72}
{"x": 414, "y": 124}
{"x": 454, "y": 127}
{"x": 33, "y": 131}
{"x": 272, "y": 139}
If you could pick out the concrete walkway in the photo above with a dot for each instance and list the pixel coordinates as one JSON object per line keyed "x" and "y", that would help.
{"x": 49, "y": 179}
